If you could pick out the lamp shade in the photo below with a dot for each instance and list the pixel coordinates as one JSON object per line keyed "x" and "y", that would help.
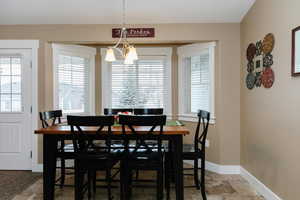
{"x": 110, "y": 55}
{"x": 128, "y": 60}
{"x": 132, "y": 53}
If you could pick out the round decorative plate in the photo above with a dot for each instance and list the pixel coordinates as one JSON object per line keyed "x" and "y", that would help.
{"x": 268, "y": 43}
{"x": 250, "y": 81}
{"x": 267, "y": 77}
{"x": 268, "y": 60}
{"x": 251, "y": 51}
{"x": 250, "y": 66}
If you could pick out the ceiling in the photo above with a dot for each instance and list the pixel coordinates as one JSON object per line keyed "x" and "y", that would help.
{"x": 110, "y": 11}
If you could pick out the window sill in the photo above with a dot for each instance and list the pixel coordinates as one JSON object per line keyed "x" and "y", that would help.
{"x": 193, "y": 118}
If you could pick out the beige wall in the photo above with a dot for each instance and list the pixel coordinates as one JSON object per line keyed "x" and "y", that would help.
{"x": 224, "y": 135}
{"x": 270, "y": 117}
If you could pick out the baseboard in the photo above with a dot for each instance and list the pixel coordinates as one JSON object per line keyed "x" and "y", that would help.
{"x": 259, "y": 186}
{"x": 220, "y": 169}
{"x": 37, "y": 168}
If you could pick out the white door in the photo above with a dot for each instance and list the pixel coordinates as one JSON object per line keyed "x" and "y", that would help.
{"x": 15, "y": 109}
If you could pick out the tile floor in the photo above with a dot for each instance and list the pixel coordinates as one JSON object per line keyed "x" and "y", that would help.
{"x": 218, "y": 187}
{"x": 14, "y": 182}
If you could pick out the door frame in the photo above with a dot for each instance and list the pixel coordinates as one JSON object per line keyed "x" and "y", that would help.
{"x": 33, "y": 46}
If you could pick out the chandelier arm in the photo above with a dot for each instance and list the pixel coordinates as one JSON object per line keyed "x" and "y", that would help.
{"x": 120, "y": 39}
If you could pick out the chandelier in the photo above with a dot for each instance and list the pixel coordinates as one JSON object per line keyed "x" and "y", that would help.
{"x": 123, "y": 47}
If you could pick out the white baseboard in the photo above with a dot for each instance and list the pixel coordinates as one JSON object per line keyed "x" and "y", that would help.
{"x": 259, "y": 186}
{"x": 236, "y": 169}
{"x": 220, "y": 169}
{"x": 37, "y": 168}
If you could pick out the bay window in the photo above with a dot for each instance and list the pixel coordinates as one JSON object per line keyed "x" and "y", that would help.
{"x": 144, "y": 84}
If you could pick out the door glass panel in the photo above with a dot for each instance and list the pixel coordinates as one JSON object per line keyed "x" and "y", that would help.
{"x": 10, "y": 84}
{"x": 16, "y": 66}
{"x": 16, "y": 103}
{"x": 5, "y": 103}
{"x": 5, "y": 84}
{"x": 16, "y": 84}
{"x": 4, "y": 66}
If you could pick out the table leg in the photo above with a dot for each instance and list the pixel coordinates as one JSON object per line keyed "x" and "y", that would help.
{"x": 178, "y": 167}
{"x": 49, "y": 166}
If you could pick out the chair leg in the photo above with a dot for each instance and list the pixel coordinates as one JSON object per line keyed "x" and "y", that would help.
{"x": 90, "y": 178}
{"x": 203, "y": 179}
{"x": 167, "y": 179}
{"x": 108, "y": 179}
{"x": 94, "y": 181}
{"x": 130, "y": 183}
{"x": 62, "y": 172}
{"x": 196, "y": 174}
{"x": 137, "y": 174}
{"x": 79, "y": 176}
{"x": 160, "y": 184}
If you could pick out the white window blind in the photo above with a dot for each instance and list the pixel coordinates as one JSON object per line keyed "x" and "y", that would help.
{"x": 200, "y": 83}
{"x": 145, "y": 84}
{"x": 73, "y": 79}
{"x": 73, "y": 84}
{"x": 196, "y": 79}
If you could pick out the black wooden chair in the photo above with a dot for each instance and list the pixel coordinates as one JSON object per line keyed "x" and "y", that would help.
{"x": 195, "y": 152}
{"x": 141, "y": 156}
{"x": 89, "y": 160}
{"x": 148, "y": 111}
{"x": 64, "y": 151}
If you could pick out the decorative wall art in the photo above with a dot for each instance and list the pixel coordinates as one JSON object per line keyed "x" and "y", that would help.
{"x": 296, "y": 52}
{"x": 260, "y": 60}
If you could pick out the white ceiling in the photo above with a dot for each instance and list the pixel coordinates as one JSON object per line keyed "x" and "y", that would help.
{"x": 109, "y": 11}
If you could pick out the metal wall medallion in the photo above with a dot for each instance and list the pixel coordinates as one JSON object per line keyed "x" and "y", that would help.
{"x": 250, "y": 81}
{"x": 250, "y": 66}
{"x": 268, "y": 60}
{"x": 258, "y": 48}
{"x": 268, "y": 43}
{"x": 260, "y": 60}
{"x": 258, "y": 79}
{"x": 268, "y": 77}
{"x": 251, "y": 51}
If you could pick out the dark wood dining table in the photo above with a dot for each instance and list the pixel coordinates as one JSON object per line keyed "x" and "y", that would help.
{"x": 52, "y": 134}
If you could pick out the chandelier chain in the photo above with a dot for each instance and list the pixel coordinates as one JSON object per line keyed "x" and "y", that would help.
{"x": 124, "y": 12}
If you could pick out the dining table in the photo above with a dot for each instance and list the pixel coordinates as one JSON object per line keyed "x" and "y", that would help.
{"x": 51, "y": 135}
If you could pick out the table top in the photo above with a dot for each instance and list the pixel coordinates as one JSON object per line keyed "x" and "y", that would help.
{"x": 65, "y": 130}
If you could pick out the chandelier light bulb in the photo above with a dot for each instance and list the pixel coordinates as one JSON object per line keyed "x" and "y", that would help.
{"x": 110, "y": 55}
{"x": 128, "y": 60}
{"x": 132, "y": 53}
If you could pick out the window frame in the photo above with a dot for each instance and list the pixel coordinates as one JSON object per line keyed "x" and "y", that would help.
{"x": 184, "y": 52}
{"x": 142, "y": 52}
{"x": 79, "y": 51}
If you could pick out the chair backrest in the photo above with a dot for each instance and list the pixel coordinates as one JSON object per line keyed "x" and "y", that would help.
{"x": 52, "y": 116}
{"x": 152, "y": 121}
{"x": 80, "y": 140}
{"x": 115, "y": 111}
{"x": 148, "y": 111}
{"x": 202, "y": 130}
